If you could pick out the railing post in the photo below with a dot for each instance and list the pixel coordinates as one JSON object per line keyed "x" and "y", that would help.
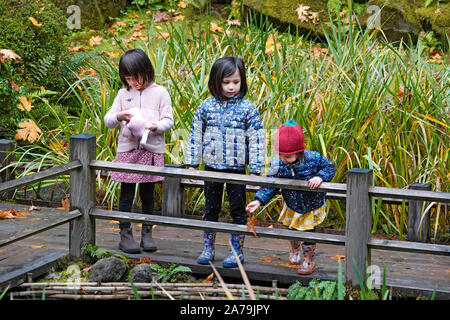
{"x": 418, "y": 231}
{"x": 6, "y": 146}
{"x": 358, "y": 224}
{"x": 172, "y": 195}
{"x": 82, "y": 193}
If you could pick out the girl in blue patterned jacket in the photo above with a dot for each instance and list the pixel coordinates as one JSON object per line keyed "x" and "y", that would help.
{"x": 304, "y": 209}
{"x": 227, "y": 134}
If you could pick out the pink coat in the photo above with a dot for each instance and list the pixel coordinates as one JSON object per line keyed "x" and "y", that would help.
{"x": 156, "y": 107}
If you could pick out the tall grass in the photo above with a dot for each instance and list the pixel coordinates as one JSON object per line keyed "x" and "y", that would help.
{"x": 361, "y": 102}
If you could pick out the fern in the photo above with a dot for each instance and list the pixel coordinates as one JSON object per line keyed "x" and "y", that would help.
{"x": 40, "y": 71}
{"x": 334, "y": 6}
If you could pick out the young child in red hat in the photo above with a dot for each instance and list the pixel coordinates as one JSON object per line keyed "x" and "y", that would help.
{"x": 303, "y": 210}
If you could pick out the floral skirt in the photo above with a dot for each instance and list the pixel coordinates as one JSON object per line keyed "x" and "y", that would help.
{"x": 302, "y": 221}
{"x": 138, "y": 156}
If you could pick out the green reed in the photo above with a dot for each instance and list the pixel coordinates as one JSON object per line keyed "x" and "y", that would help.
{"x": 361, "y": 102}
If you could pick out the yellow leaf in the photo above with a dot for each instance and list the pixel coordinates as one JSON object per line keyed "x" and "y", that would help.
{"x": 95, "y": 41}
{"x": 177, "y": 17}
{"x": 163, "y": 35}
{"x": 28, "y": 131}
{"x": 121, "y": 23}
{"x": 270, "y": 44}
{"x": 182, "y": 4}
{"x": 209, "y": 278}
{"x": 38, "y": 246}
{"x": 34, "y": 22}
{"x": 214, "y": 27}
{"x": 76, "y": 48}
{"x": 66, "y": 203}
{"x": 24, "y": 104}
{"x": 294, "y": 266}
{"x": 338, "y": 257}
{"x": 270, "y": 259}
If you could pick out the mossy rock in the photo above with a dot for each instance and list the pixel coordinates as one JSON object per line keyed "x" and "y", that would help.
{"x": 436, "y": 19}
{"x": 400, "y": 19}
{"x": 283, "y": 12}
{"x": 94, "y": 13}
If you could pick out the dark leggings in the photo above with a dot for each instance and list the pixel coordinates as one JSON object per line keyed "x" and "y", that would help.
{"x": 236, "y": 198}
{"x": 127, "y": 196}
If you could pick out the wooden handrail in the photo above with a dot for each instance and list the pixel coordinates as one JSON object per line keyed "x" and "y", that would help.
{"x": 218, "y": 176}
{"x": 282, "y": 183}
{"x": 39, "y": 176}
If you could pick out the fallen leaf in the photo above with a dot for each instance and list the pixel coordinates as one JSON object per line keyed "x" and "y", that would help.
{"x": 163, "y": 35}
{"x": 209, "y": 278}
{"x": 34, "y": 208}
{"x": 14, "y": 85}
{"x": 303, "y": 13}
{"x": 233, "y": 22}
{"x": 8, "y": 55}
{"x": 76, "y": 48}
{"x": 270, "y": 259}
{"x": 160, "y": 16}
{"x": 38, "y": 246}
{"x": 114, "y": 221}
{"x": 34, "y": 22}
{"x": 448, "y": 270}
{"x": 338, "y": 257}
{"x": 25, "y": 104}
{"x": 136, "y": 35}
{"x": 270, "y": 44}
{"x": 317, "y": 52}
{"x": 182, "y": 4}
{"x": 437, "y": 11}
{"x": 293, "y": 266}
{"x": 178, "y": 16}
{"x": 214, "y": 27}
{"x": 112, "y": 229}
{"x": 28, "y": 131}
{"x": 120, "y": 23}
{"x": 251, "y": 223}
{"x": 314, "y": 17}
{"x": 95, "y": 41}
{"x": 139, "y": 26}
{"x": 66, "y": 203}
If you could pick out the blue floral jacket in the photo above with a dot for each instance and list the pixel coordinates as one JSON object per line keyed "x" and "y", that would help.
{"x": 227, "y": 136}
{"x": 313, "y": 165}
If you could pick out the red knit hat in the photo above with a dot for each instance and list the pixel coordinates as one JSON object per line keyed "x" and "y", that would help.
{"x": 289, "y": 138}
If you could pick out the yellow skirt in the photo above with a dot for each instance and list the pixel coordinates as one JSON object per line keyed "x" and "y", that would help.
{"x": 302, "y": 221}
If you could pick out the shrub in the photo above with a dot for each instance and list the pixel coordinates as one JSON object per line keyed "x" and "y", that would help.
{"x": 35, "y": 31}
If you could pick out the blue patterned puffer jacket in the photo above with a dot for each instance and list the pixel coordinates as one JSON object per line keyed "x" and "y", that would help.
{"x": 313, "y": 165}
{"x": 227, "y": 136}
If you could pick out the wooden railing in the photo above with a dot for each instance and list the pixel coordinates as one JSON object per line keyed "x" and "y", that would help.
{"x": 357, "y": 193}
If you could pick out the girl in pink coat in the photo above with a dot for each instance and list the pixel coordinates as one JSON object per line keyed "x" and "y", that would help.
{"x": 143, "y": 109}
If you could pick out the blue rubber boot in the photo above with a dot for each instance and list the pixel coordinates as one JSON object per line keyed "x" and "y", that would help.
{"x": 237, "y": 241}
{"x": 208, "y": 251}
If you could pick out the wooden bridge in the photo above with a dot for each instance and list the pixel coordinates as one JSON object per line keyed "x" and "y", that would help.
{"x": 179, "y": 240}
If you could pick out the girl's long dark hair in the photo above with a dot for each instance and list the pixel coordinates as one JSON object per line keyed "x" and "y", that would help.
{"x": 135, "y": 63}
{"x": 223, "y": 68}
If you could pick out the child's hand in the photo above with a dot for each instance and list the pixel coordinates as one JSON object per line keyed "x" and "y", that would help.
{"x": 314, "y": 182}
{"x": 192, "y": 180}
{"x": 252, "y": 206}
{"x": 124, "y": 115}
{"x": 152, "y": 127}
